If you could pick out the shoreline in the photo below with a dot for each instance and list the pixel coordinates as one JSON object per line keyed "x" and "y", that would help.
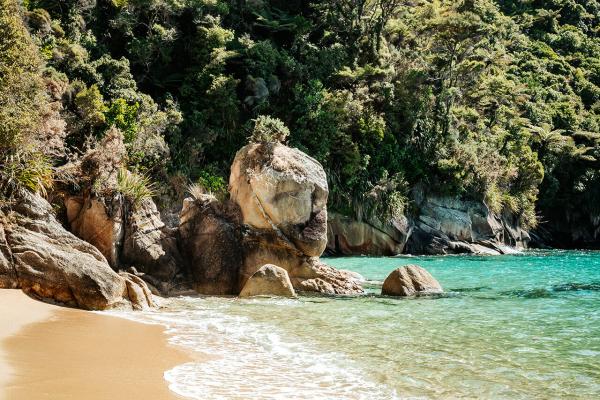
{"x": 51, "y": 352}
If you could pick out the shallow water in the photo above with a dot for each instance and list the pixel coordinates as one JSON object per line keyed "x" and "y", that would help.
{"x": 518, "y": 326}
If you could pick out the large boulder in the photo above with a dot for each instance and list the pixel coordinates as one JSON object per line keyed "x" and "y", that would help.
{"x": 347, "y": 236}
{"x": 410, "y": 280}
{"x": 269, "y": 280}
{"x": 282, "y": 196}
{"x": 53, "y": 264}
{"x": 278, "y": 187}
{"x": 211, "y": 243}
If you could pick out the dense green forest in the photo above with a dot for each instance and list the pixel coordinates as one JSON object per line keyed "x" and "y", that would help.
{"x": 491, "y": 100}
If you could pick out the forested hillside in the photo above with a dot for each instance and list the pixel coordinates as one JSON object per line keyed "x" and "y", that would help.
{"x": 488, "y": 100}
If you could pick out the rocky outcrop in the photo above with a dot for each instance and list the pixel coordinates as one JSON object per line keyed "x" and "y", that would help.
{"x": 269, "y": 280}
{"x": 149, "y": 245}
{"x": 281, "y": 188}
{"x": 449, "y": 225}
{"x": 126, "y": 235}
{"x": 346, "y": 236}
{"x": 410, "y": 280}
{"x": 276, "y": 215}
{"x": 55, "y": 265}
{"x": 282, "y": 195}
{"x": 211, "y": 242}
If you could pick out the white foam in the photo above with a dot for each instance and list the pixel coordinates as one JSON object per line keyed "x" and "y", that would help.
{"x": 248, "y": 359}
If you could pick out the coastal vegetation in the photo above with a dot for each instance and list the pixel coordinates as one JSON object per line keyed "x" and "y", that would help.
{"x": 182, "y": 155}
{"x": 494, "y": 101}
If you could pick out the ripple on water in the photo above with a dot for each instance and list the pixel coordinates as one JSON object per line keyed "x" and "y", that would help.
{"x": 521, "y": 326}
{"x": 242, "y": 359}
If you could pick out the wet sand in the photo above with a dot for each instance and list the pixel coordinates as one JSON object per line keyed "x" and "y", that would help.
{"x": 50, "y": 352}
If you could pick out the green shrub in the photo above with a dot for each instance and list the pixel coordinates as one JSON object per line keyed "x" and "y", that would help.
{"x": 269, "y": 130}
{"x": 90, "y": 106}
{"x": 123, "y": 116}
{"x": 134, "y": 187}
{"x": 213, "y": 184}
{"x": 24, "y": 170}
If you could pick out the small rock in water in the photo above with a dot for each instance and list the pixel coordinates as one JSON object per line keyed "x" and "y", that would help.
{"x": 410, "y": 280}
{"x": 269, "y": 280}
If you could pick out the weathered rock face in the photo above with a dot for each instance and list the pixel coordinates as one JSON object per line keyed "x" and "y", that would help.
{"x": 126, "y": 235}
{"x": 138, "y": 292}
{"x": 8, "y": 274}
{"x": 307, "y": 274}
{"x": 282, "y": 194}
{"x": 282, "y": 188}
{"x": 269, "y": 280}
{"x": 347, "y": 236}
{"x": 410, "y": 280}
{"x": 149, "y": 245}
{"x": 449, "y": 225}
{"x": 98, "y": 223}
{"x": 211, "y": 243}
{"x": 53, "y": 264}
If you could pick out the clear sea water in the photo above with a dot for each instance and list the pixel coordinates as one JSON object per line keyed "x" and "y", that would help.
{"x": 523, "y": 326}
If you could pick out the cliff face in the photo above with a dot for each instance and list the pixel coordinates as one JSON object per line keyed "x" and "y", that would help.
{"x": 446, "y": 225}
{"x": 346, "y": 236}
{"x": 439, "y": 225}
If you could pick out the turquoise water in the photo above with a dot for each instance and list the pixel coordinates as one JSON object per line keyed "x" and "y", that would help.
{"x": 519, "y": 326}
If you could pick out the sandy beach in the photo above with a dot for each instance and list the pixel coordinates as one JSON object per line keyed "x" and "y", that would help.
{"x": 50, "y": 352}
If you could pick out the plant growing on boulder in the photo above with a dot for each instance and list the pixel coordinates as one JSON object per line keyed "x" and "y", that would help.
{"x": 25, "y": 170}
{"x": 269, "y": 130}
{"x": 135, "y": 187}
{"x": 208, "y": 183}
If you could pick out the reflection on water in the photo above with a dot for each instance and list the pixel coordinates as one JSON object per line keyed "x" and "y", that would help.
{"x": 519, "y": 326}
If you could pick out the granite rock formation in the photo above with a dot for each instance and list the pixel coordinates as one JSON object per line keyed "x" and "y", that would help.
{"x": 282, "y": 195}
{"x": 48, "y": 262}
{"x": 269, "y": 280}
{"x": 410, "y": 280}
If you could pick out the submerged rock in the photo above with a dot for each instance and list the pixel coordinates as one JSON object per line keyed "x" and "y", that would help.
{"x": 269, "y": 280}
{"x": 53, "y": 264}
{"x": 410, "y": 280}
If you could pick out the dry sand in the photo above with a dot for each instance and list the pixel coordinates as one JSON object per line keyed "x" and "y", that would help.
{"x": 49, "y": 352}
